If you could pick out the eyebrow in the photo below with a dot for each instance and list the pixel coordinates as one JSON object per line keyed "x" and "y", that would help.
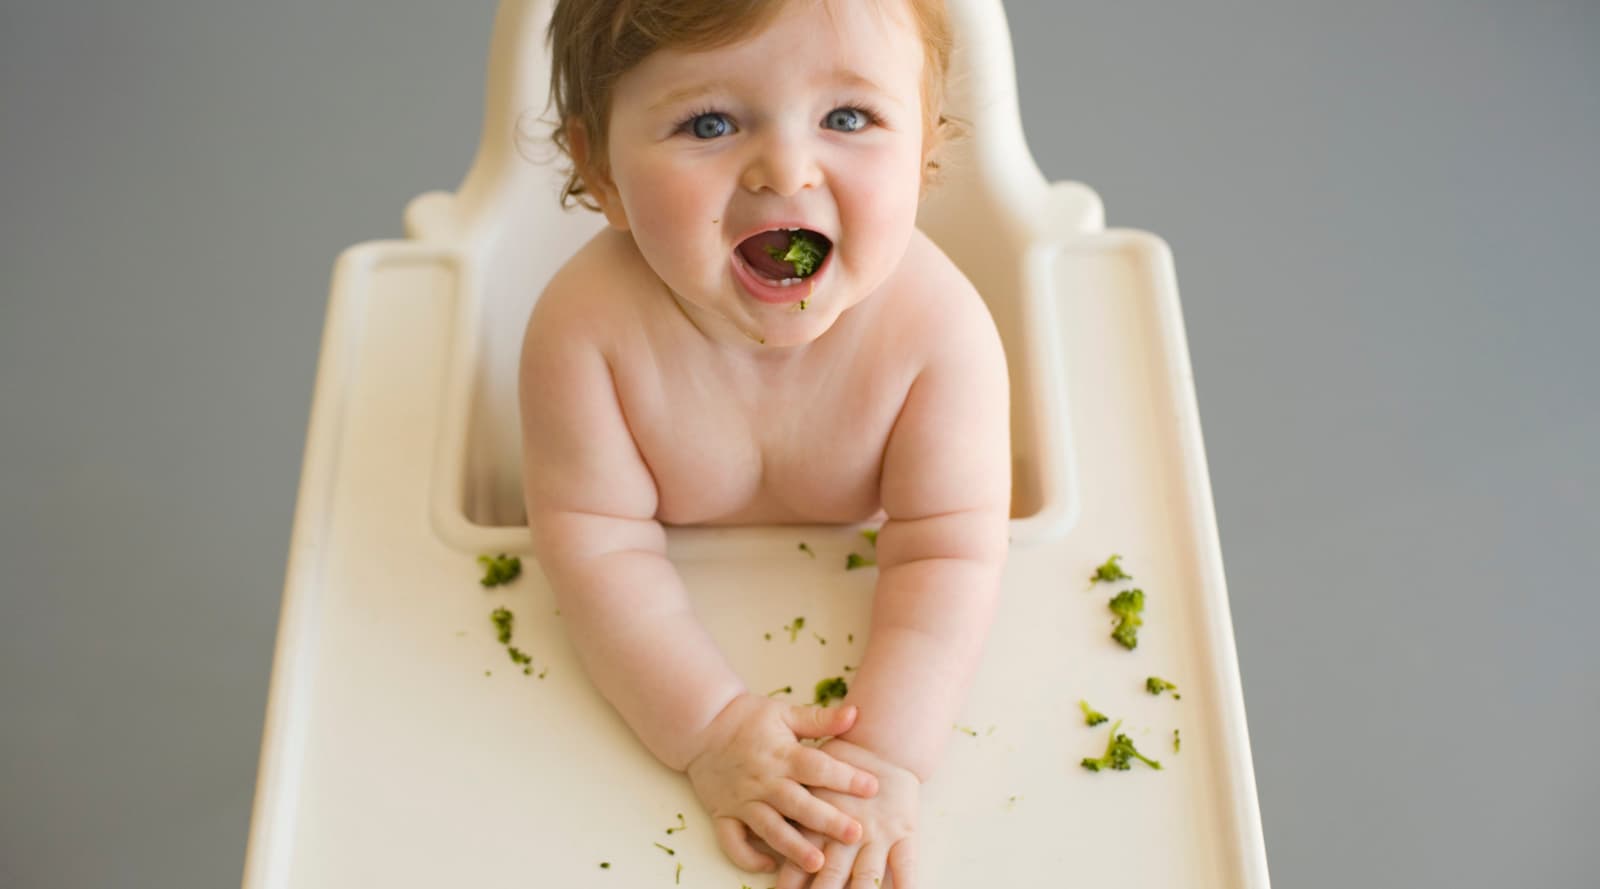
{"x": 839, "y": 76}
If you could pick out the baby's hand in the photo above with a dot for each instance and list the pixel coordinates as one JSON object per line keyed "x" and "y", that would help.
{"x": 750, "y": 774}
{"x": 889, "y": 820}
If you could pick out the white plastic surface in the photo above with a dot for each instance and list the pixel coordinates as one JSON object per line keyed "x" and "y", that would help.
{"x": 390, "y": 758}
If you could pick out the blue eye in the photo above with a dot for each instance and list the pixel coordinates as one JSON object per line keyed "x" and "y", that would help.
{"x": 846, "y": 119}
{"x": 709, "y": 125}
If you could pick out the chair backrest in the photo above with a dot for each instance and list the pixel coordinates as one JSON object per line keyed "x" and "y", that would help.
{"x": 991, "y": 206}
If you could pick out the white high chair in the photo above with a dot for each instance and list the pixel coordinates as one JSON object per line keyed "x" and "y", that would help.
{"x": 402, "y": 748}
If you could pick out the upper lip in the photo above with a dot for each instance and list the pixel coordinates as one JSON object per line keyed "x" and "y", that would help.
{"x": 789, "y": 223}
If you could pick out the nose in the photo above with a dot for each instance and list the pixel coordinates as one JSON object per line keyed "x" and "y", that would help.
{"x": 781, "y": 163}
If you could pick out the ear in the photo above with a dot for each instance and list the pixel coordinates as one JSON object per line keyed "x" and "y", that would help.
{"x": 596, "y": 178}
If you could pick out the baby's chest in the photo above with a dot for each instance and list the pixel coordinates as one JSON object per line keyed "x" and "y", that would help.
{"x": 721, "y": 454}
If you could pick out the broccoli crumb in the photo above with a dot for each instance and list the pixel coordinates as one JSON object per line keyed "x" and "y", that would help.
{"x": 786, "y": 690}
{"x": 518, "y": 656}
{"x": 850, "y": 639}
{"x": 1119, "y": 755}
{"x": 678, "y": 878}
{"x": 1128, "y": 606}
{"x": 1110, "y": 572}
{"x": 1175, "y": 741}
{"x": 795, "y": 628}
{"x": 807, "y": 550}
{"x": 829, "y": 689}
{"x": 1012, "y": 803}
{"x": 819, "y": 638}
{"x": 856, "y": 560}
{"x": 502, "y": 619}
{"x": 527, "y": 671}
{"x": 682, "y": 825}
{"x": 849, "y": 669}
{"x": 871, "y": 534}
{"x": 664, "y": 849}
{"x": 965, "y": 730}
{"x": 767, "y": 636}
{"x": 499, "y": 570}
{"x": 545, "y": 672}
{"x": 1156, "y": 685}
{"x": 605, "y": 865}
{"x": 1091, "y": 716}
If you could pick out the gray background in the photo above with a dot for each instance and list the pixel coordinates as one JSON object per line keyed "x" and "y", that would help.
{"x": 1384, "y": 221}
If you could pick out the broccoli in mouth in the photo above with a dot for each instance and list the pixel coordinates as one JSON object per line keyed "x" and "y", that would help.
{"x": 803, "y": 252}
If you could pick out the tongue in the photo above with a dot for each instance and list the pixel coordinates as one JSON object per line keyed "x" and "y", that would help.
{"x": 754, "y": 251}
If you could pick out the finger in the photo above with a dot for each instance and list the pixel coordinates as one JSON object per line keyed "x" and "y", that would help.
{"x": 836, "y": 870}
{"x": 868, "y": 872}
{"x": 790, "y": 876}
{"x": 782, "y": 836}
{"x": 903, "y": 864}
{"x": 819, "y": 722}
{"x": 818, "y": 768}
{"x": 797, "y": 803}
{"x": 735, "y": 842}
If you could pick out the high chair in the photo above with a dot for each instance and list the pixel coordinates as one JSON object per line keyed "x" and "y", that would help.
{"x": 403, "y": 748}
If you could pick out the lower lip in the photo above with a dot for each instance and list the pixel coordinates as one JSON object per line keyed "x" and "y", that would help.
{"x": 758, "y": 287}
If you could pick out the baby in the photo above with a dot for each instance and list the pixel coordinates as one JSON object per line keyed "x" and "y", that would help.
{"x": 761, "y": 335}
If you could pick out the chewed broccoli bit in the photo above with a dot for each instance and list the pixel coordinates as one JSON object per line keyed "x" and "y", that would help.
{"x": 1119, "y": 754}
{"x": 1128, "y": 606}
{"x": 499, "y": 570}
{"x": 856, "y": 560}
{"x": 502, "y": 619}
{"x": 1091, "y": 716}
{"x": 871, "y": 534}
{"x": 1156, "y": 685}
{"x": 1110, "y": 572}
{"x": 803, "y": 253}
{"x": 829, "y": 690}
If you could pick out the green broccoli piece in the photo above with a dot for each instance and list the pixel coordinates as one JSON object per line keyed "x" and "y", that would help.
{"x": 518, "y": 656}
{"x": 855, "y": 560}
{"x": 829, "y": 689}
{"x": 499, "y": 570}
{"x": 664, "y": 849}
{"x": 1091, "y": 716}
{"x": 871, "y": 534}
{"x": 795, "y": 628}
{"x": 682, "y": 825}
{"x": 787, "y": 689}
{"x": 803, "y": 253}
{"x": 1128, "y": 606}
{"x": 966, "y": 730}
{"x": 807, "y": 550}
{"x": 1110, "y": 572}
{"x": 502, "y": 619}
{"x": 1156, "y": 685}
{"x": 1175, "y": 740}
{"x": 1120, "y": 754}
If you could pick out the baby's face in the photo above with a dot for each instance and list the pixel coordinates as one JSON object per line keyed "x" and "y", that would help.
{"x": 814, "y": 123}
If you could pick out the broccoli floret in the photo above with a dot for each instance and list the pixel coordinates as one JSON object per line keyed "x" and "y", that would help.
{"x": 795, "y": 628}
{"x": 502, "y": 625}
{"x": 855, "y": 560}
{"x": 1156, "y": 685}
{"x": 1120, "y": 754}
{"x": 499, "y": 570}
{"x": 803, "y": 253}
{"x": 1110, "y": 572}
{"x": 1091, "y": 716}
{"x": 829, "y": 689}
{"x": 1128, "y": 606}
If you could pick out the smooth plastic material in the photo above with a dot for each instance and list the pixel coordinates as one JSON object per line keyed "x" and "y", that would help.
{"x": 403, "y": 748}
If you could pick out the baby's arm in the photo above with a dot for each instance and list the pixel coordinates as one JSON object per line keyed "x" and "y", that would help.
{"x": 946, "y": 489}
{"x": 591, "y": 505}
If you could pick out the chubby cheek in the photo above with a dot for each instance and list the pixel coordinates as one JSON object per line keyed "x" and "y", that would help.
{"x": 878, "y": 210}
{"x": 675, "y": 223}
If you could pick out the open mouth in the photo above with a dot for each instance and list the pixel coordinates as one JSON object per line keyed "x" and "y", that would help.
{"x": 786, "y": 256}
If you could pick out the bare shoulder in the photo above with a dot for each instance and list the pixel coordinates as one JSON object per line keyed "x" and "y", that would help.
{"x": 584, "y": 301}
{"x": 940, "y": 312}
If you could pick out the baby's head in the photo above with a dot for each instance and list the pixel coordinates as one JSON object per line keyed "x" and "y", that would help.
{"x": 704, "y": 127}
